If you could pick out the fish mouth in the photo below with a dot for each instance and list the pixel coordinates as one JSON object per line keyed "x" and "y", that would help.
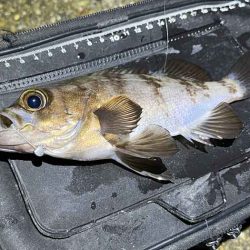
{"x": 9, "y": 139}
{"x": 5, "y": 121}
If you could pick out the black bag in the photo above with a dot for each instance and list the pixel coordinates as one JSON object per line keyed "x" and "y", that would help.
{"x": 57, "y": 204}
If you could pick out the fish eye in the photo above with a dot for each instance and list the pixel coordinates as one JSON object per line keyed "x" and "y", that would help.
{"x": 33, "y": 100}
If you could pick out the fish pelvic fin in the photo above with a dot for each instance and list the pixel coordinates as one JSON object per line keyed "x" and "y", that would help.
{"x": 141, "y": 153}
{"x": 240, "y": 73}
{"x": 150, "y": 167}
{"x": 154, "y": 141}
{"x": 220, "y": 123}
{"x": 119, "y": 115}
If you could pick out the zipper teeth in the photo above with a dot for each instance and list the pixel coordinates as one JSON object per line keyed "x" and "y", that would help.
{"x": 77, "y": 70}
{"x": 100, "y": 64}
{"x": 52, "y": 25}
{"x": 166, "y": 17}
{"x": 203, "y": 8}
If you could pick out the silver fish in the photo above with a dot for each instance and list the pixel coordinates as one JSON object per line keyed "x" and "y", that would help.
{"x": 127, "y": 116}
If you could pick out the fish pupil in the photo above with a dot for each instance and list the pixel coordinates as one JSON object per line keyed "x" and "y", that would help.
{"x": 34, "y": 102}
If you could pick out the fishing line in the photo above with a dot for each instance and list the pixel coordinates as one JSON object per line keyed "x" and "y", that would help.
{"x": 38, "y": 151}
{"x": 167, "y": 37}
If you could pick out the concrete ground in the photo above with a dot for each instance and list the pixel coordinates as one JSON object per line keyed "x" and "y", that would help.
{"x": 241, "y": 243}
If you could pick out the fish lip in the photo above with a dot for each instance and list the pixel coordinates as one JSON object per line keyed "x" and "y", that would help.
{"x": 12, "y": 145}
{"x": 8, "y": 150}
{"x": 14, "y": 148}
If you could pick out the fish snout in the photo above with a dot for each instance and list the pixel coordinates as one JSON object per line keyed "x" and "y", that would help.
{"x": 6, "y": 121}
{"x": 11, "y": 139}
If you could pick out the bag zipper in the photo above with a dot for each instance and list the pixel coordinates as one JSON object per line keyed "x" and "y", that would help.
{"x": 102, "y": 63}
{"x": 16, "y": 60}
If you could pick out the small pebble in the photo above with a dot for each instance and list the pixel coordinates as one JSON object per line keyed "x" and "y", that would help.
{"x": 16, "y": 17}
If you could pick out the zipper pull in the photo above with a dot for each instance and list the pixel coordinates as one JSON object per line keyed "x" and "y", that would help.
{"x": 7, "y": 38}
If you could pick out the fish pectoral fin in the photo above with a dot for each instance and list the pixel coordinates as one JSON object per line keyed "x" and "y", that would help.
{"x": 119, "y": 115}
{"x": 150, "y": 167}
{"x": 154, "y": 141}
{"x": 181, "y": 69}
{"x": 220, "y": 123}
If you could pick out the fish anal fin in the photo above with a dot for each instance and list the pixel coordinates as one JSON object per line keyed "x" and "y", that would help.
{"x": 119, "y": 115}
{"x": 154, "y": 141}
{"x": 150, "y": 167}
{"x": 220, "y": 123}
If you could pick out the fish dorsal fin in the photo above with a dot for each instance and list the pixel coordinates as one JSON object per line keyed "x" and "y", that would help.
{"x": 181, "y": 69}
{"x": 154, "y": 141}
{"x": 143, "y": 66}
{"x": 153, "y": 167}
{"x": 119, "y": 115}
{"x": 175, "y": 68}
{"x": 121, "y": 71}
{"x": 220, "y": 123}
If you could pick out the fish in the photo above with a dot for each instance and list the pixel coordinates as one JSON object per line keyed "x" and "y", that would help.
{"x": 127, "y": 115}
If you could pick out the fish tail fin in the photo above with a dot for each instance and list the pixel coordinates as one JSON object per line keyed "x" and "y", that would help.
{"x": 240, "y": 73}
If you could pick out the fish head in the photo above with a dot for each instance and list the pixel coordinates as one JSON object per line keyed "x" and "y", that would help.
{"x": 50, "y": 117}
